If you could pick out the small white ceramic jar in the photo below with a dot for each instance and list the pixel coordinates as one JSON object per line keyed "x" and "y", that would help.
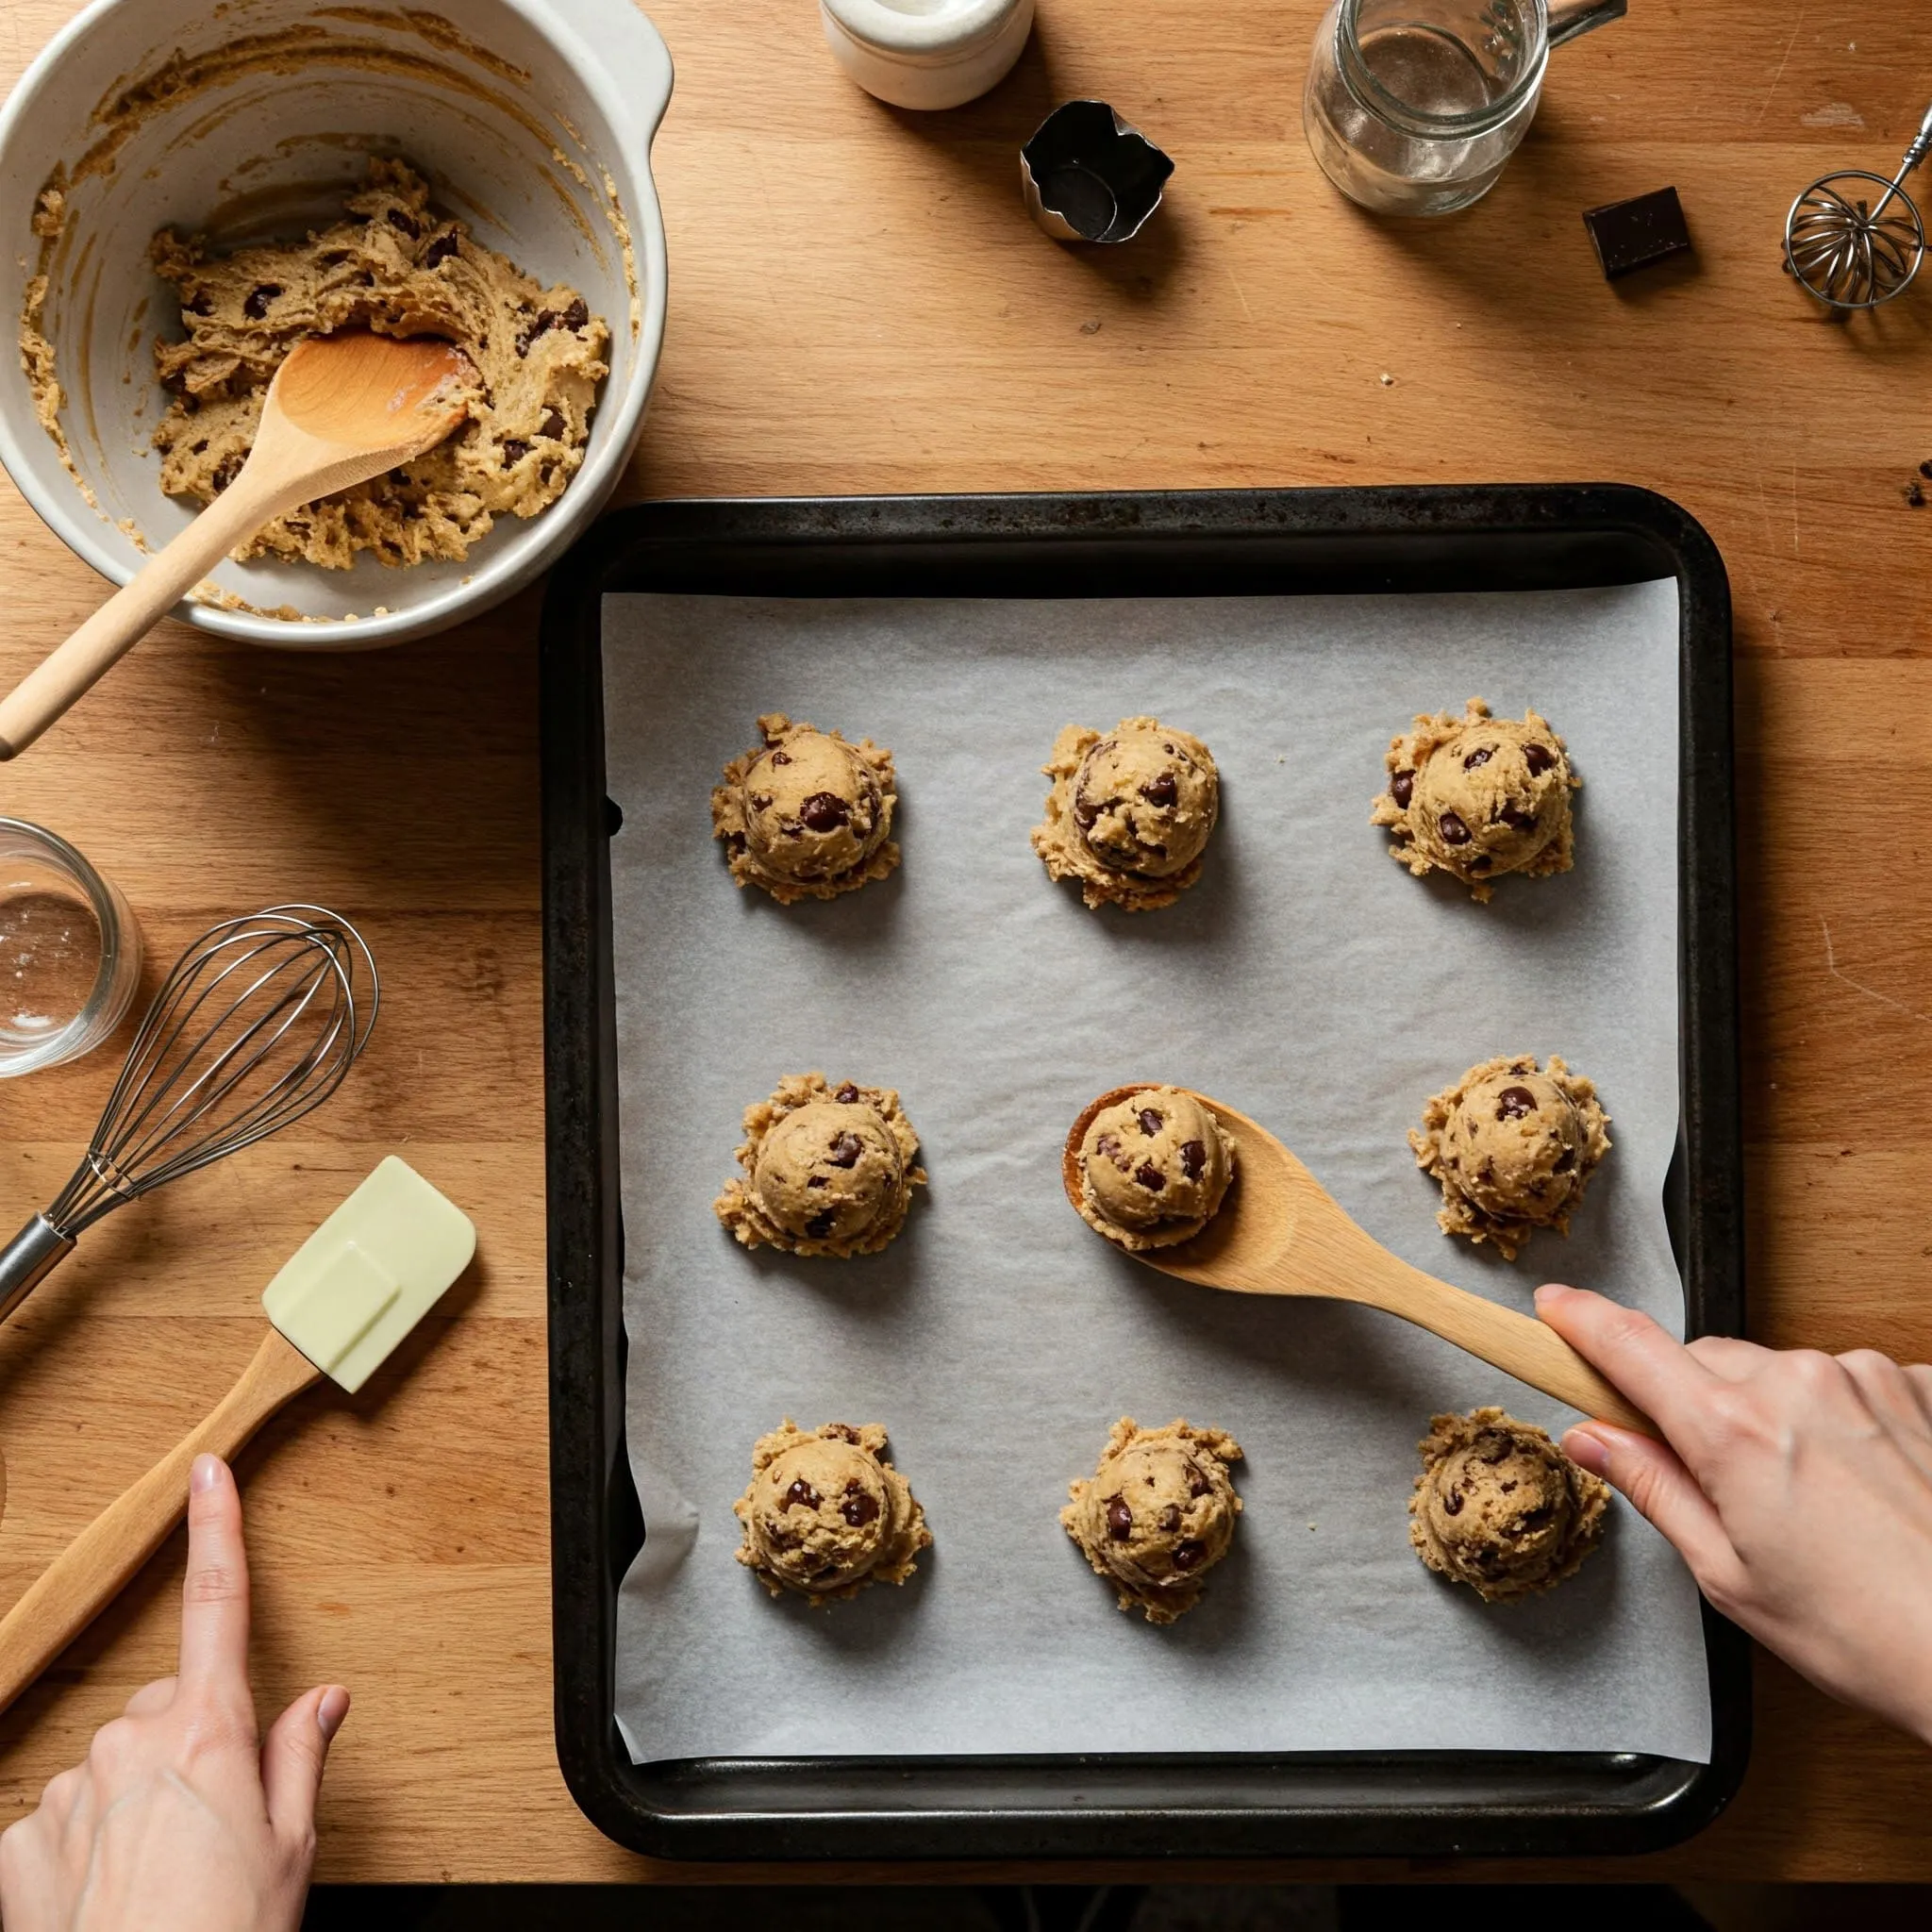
{"x": 927, "y": 53}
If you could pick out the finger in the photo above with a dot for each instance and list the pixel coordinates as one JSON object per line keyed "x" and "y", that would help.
{"x": 1889, "y": 1394}
{"x": 31, "y": 1893}
{"x": 1727, "y": 1357}
{"x": 151, "y": 1699}
{"x": 214, "y": 1596}
{"x": 1664, "y": 1492}
{"x": 1661, "y": 1375}
{"x": 1921, "y": 1378}
{"x": 292, "y": 1758}
{"x": 58, "y": 1795}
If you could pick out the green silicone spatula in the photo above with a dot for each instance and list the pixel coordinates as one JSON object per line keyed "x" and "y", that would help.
{"x": 355, "y": 1288}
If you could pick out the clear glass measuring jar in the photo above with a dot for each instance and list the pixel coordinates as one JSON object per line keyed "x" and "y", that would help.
{"x": 1413, "y": 106}
{"x": 69, "y": 951}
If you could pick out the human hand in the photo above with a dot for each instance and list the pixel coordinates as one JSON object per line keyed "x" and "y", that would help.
{"x": 1797, "y": 1486}
{"x": 183, "y": 1816}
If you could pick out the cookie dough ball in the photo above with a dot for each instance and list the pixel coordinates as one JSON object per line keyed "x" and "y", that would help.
{"x": 1129, "y": 814}
{"x": 827, "y": 1514}
{"x": 1157, "y": 1514}
{"x": 1153, "y": 1168}
{"x": 1478, "y": 796}
{"x": 806, "y": 815}
{"x": 827, "y": 1170}
{"x": 1512, "y": 1147}
{"x": 1500, "y": 1507}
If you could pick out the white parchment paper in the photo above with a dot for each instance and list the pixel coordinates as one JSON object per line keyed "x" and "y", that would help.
{"x": 1308, "y": 980}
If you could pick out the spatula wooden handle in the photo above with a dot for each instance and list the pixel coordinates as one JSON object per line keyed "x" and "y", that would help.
{"x": 1518, "y": 1344}
{"x": 99, "y": 1563}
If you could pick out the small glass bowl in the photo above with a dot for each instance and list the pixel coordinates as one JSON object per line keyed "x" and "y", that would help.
{"x": 70, "y": 952}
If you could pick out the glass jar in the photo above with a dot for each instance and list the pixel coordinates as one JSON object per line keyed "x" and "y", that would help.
{"x": 70, "y": 952}
{"x": 1413, "y": 107}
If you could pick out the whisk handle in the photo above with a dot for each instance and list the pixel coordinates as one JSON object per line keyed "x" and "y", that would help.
{"x": 1920, "y": 147}
{"x": 93, "y": 1569}
{"x": 27, "y": 1259}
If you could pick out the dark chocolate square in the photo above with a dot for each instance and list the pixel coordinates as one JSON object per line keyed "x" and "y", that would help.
{"x": 1630, "y": 235}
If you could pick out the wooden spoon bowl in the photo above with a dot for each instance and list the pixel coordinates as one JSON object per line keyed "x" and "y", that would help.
{"x": 343, "y": 409}
{"x": 1279, "y": 1231}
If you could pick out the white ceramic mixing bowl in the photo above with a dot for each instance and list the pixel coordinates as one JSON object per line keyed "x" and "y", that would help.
{"x": 533, "y": 120}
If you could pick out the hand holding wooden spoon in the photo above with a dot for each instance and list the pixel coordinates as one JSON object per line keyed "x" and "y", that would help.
{"x": 343, "y": 409}
{"x": 1280, "y": 1232}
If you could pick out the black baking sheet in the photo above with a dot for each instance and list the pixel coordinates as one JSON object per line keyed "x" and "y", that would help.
{"x": 1243, "y": 544}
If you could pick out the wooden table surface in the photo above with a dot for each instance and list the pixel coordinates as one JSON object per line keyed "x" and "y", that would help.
{"x": 858, "y": 304}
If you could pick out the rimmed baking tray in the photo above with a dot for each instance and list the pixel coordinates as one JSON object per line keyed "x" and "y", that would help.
{"x": 1149, "y": 545}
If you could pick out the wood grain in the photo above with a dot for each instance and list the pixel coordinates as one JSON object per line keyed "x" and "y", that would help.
{"x": 859, "y": 305}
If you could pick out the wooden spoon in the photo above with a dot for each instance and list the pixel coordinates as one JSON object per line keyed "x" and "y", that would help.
{"x": 1280, "y": 1232}
{"x": 343, "y": 409}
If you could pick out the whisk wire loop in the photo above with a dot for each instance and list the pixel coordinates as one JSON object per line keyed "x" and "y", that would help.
{"x": 1853, "y": 249}
{"x": 257, "y": 1023}
{"x": 163, "y": 1109}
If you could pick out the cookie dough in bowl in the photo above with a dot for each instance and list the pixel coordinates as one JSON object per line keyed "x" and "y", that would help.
{"x": 1500, "y": 1507}
{"x": 393, "y": 265}
{"x": 1148, "y": 1166}
{"x": 1478, "y": 797}
{"x": 1513, "y": 1146}
{"x": 1130, "y": 813}
{"x": 829, "y": 1170}
{"x": 825, "y": 1514}
{"x": 804, "y": 814}
{"x": 1156, "y": 1515}
{"x": 530, "y": 122}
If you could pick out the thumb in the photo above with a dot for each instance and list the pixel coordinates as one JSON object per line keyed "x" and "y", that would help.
{"x": 293, "y": 1755}
{"x": 1662, "y": 1490}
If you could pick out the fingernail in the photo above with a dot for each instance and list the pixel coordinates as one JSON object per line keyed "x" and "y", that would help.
{"x": 1548, "y": 1291}
{"x": 330, "y": 1712}
{"x": 1588, "y": 1450}
{"x": 204, "y": 1474}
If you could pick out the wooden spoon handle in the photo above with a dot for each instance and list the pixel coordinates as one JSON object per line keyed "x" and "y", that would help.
{"x": 1518, "y": 1344}
{"x": 71, "y": 671}
{"x": 98, "y": 1563}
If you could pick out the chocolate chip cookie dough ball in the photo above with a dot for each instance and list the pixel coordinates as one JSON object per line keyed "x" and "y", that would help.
{"x": 1513, "y": 1148}
{"x": 1129, "y": 814}
{"x": 1152, "y": 1169}
{"x": 1157, "y": 1514}
{"x": 1500, "y": 1507}
{"x": 827, "y": 1170}
{"x": 827, "y": 1514}
{"x": 1478, "y": 796}
{"x": 806, "y": 814}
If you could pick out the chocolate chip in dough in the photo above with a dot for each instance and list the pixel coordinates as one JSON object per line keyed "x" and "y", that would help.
{"x": 824, "y": 811}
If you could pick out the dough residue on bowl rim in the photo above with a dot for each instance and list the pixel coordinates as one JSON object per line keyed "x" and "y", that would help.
{"x": 178, "y": 76}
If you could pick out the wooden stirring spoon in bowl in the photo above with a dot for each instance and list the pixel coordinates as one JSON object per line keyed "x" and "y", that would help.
{"x": 1279, "y": 1231}
{"x": 342, "y": 408}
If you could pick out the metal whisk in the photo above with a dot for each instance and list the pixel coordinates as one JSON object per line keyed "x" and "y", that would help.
{"x": 257, "y": 1023}
{"x": 1850, "y": 252}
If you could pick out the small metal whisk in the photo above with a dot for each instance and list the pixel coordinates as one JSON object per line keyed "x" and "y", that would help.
{"x": 257, "y": 1024}
{"x": 1850, "y": 252}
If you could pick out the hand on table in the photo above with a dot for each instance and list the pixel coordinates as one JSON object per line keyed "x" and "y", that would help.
{"x": 183, "y": 1815}
{"x": 1797, "y": 1486}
